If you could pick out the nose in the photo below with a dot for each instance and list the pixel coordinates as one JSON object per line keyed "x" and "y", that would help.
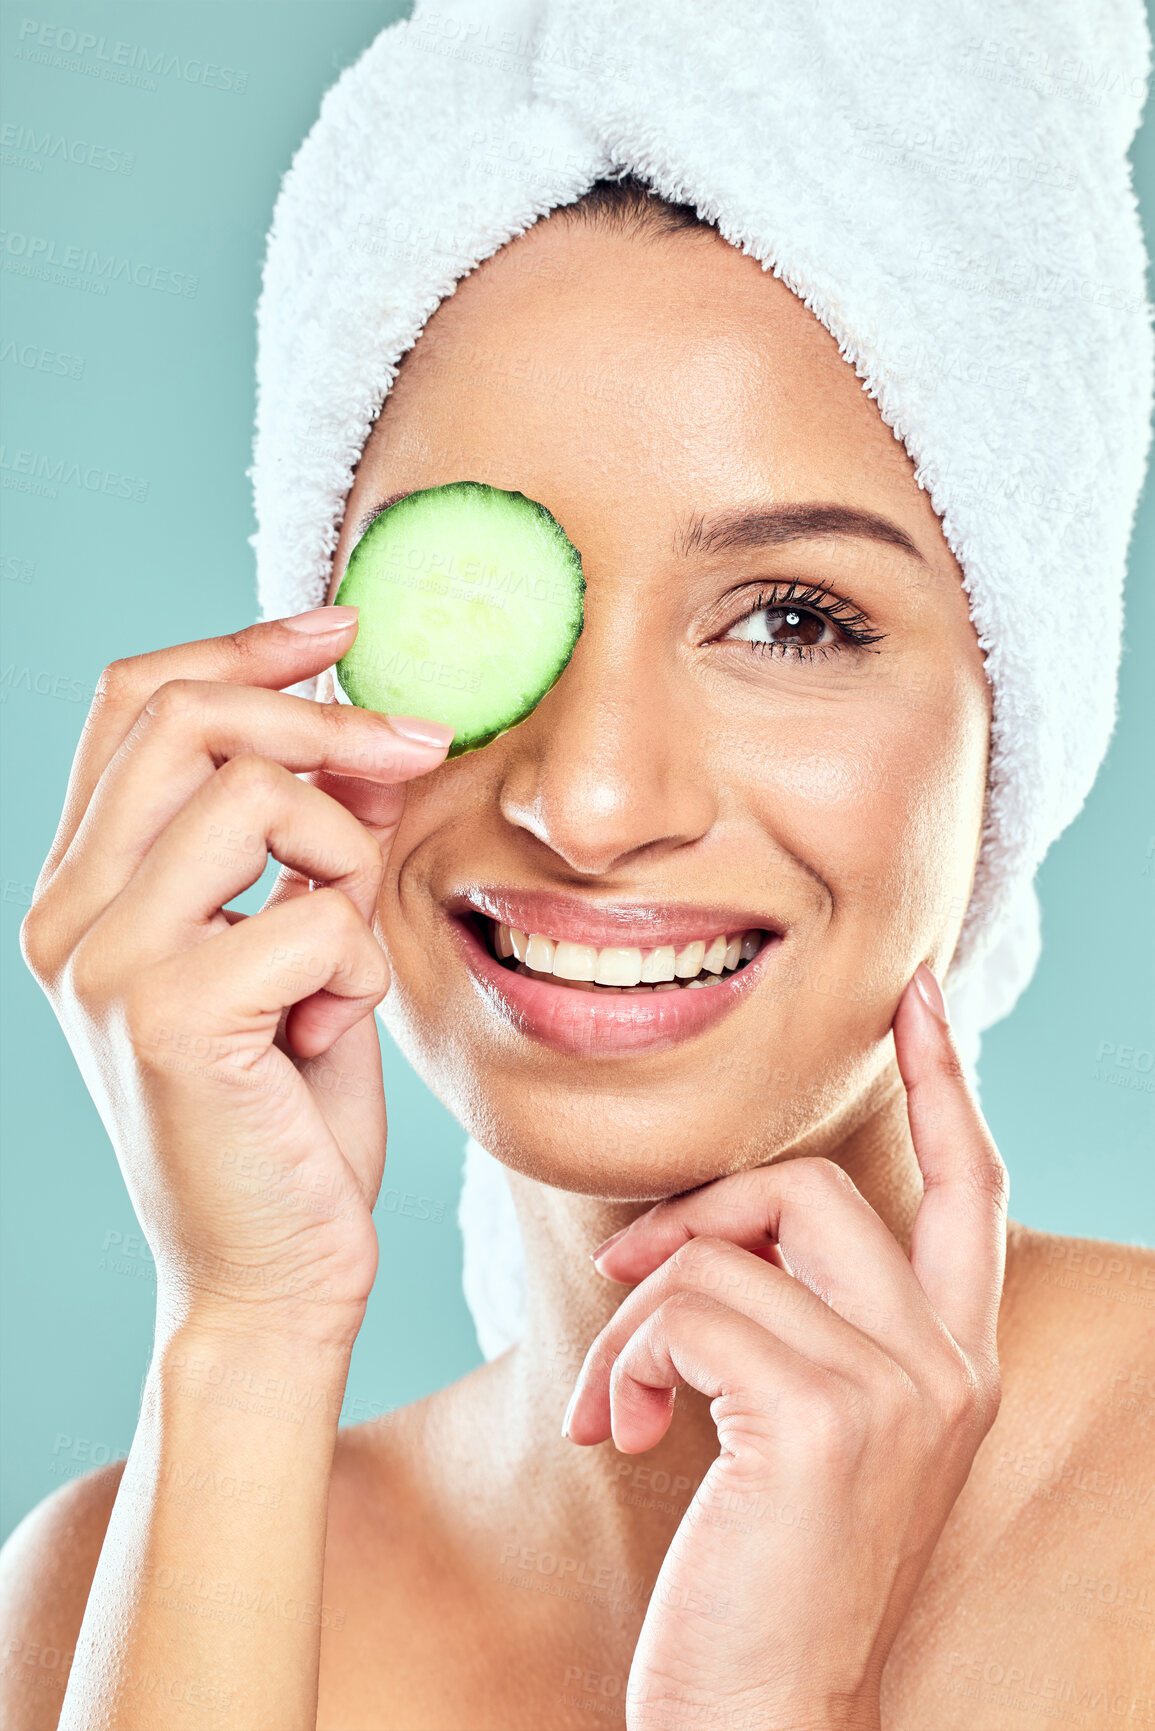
{"x": 605, "y": 773}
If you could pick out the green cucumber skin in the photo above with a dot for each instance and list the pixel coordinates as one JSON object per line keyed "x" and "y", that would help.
{"x": 467, "y": 738}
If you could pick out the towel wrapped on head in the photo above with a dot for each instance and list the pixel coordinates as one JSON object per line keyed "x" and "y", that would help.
{"x": 946, "y": 188}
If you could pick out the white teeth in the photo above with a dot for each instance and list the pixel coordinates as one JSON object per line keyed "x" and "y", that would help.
{"x": 715, "y": 958}
{"x": 503, "y": 942}
{"x": 658, "y": 965}
{"x": 539, "y": 953}
{"x": 618, "y": 967}
{"x": 572, "y": 961}
{"x": 688, "y": 962}
{"x": 622, "y": 968}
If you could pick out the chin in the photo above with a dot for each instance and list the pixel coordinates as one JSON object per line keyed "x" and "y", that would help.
{"x": 695, "y": 1119}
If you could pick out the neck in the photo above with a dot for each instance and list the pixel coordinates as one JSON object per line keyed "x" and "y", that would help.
{"x": 624, "y": 1508}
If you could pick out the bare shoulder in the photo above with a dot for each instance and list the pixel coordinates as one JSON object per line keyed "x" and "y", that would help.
{"x": 46, "y": 1570}
{"x": 1110, "y": 1270}
{"x": 1084, "y": 1291}
{"x": 1077, "y": 1345}
{"x": 1068, "y": 1464}
{"x": 1039, "y": 1598}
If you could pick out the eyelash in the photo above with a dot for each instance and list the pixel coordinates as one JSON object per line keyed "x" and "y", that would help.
{"x": 807, "y": 598}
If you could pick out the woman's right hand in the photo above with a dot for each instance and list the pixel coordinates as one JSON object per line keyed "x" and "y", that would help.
{"x": 234, "y": 1060}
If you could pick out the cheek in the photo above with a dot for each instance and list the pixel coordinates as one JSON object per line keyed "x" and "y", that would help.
{"x": 419, "y": 820}
{"x": 882, "y": 802}
{"x": 444, "y": 813}
{"x": 827, "y": 783}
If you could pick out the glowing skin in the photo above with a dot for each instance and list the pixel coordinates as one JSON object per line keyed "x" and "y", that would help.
{"x": 825, "y": 1304}
{"x": 839, "y": 792}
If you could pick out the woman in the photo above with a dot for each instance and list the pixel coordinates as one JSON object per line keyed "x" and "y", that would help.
{"x": 777, "y": 726}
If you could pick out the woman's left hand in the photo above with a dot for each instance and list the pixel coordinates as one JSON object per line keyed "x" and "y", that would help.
{"x": 851, "y": 1388}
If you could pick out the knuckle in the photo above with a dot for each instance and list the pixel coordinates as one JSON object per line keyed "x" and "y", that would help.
{"x": 362, "y": 859}
{"x": 687, "y": 1301}
{"x": 819, "y": 1170}
{"x": 119, "y": 680}
{"x": 38, "y": 942}
{"x": 251, "y": 778}
{"x": 336, "y": 913}
{"x": 967, "y": 1401}
{"x": 123, "y": 685}
{"x": 895, "y": 1398}
{"x": 372, "y": 975}
{"x": 957, "y": 1407}
{"x": 335, "y": 719}
{"x": 621, "y": 1375}
{"x": 242, "y": 651}
{"x": 705, "y": 1262}
{"x": 990, "y": 1398}
{"x": 86, "y": 974}
{"x": 985, "y": 1174}
{"x": 176, "y": 700}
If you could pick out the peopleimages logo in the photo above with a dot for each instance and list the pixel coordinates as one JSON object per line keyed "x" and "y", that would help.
{"x": 38, "y": 472}
{"x": 118, "y": 62}
{"x": 83, "y": 267}
{"x": 24, "y": 147}
{"x": 41, "y": 360}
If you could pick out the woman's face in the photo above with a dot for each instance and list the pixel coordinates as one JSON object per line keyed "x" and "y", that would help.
{"x": 776, "y": 718}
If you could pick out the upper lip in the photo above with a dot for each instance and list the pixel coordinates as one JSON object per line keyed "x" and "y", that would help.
{"x": 627, "y": 925}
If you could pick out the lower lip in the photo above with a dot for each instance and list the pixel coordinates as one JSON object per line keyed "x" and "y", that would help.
{"x": 597, "y": 1025}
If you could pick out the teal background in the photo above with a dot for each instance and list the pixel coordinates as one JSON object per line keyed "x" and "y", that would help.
{"x": 165, "y": 395}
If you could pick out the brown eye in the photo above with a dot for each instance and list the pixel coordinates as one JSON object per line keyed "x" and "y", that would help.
{"x": 794, "y": 625}
{"x": 785, "y": 627}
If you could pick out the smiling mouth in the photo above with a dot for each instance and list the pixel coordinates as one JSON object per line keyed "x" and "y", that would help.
{"x": 698, "y": 965}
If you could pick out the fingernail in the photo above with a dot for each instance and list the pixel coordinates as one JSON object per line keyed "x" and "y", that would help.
{"x": 424, "y": 732}
{"x": 569, "y": 1414}
{"x": 930, "y": 992}
{"x": 320, "y": 620}
{"x": 612, "y": 1239}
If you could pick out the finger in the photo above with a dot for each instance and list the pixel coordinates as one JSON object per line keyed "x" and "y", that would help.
{"x": 223, "y": 1001}
{"x": 376, "y": 805}
{"x": 733, "y": 1279}
{"x": 958, "y": 1244}
{"x": 343, "y": 1078}
{"x": 273, "y": 654}
{"x": 186, "y": 730}
{"x": 821, "y": 1229}
{"x": 259, "y": 808}
{"x": 690, "y": 1341}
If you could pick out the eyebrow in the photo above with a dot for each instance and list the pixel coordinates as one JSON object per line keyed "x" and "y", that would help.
{"x": 773, "y": 525}
{"x": 761, "y": 526}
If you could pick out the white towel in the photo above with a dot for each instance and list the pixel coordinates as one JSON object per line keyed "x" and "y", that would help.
{"x": 945, "y": 185}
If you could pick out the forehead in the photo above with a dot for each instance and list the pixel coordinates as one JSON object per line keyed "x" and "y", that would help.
{"x": 630, "y": 338}
{"x": 659, "y": 375}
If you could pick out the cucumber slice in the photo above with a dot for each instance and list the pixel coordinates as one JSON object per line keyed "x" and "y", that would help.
{"x": 471, "y": 605}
